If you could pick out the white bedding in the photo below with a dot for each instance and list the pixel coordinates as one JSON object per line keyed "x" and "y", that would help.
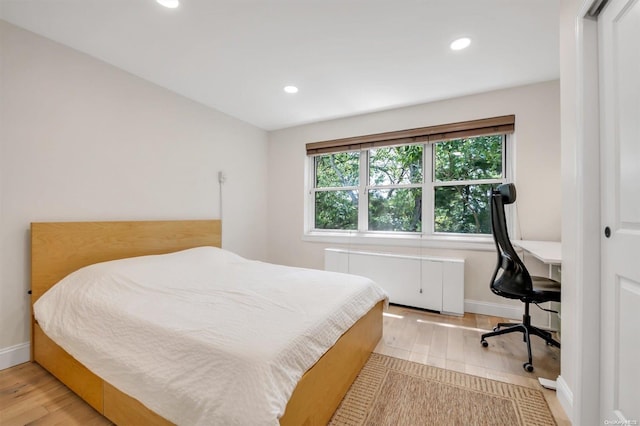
{"x": 203, "y": 336}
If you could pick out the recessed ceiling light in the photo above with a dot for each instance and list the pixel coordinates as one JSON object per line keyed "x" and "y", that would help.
{"x": 171, "y": 4}
{"x": 461, "y": 43}
{"x": 291, "y": 89}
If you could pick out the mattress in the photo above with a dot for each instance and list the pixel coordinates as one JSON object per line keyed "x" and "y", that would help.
{"x": 203, "y": 336}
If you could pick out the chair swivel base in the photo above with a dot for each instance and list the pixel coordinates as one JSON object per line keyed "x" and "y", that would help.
{"x": 527, "y": 330}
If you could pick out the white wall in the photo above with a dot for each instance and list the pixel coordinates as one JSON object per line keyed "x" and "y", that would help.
{"x": 82, "y": 140}
{"x": 537, "y": 165}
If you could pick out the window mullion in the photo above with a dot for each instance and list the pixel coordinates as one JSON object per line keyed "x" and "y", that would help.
{"x": 428, "y": 201}
{"x": 506, "y": 165}
{"x": 336, "y": 188}
{"x": 396, "y": 186}
{"x": 363, "y": 198}
{"x": 468, "y": 182}
{"x": 310, "y": 205}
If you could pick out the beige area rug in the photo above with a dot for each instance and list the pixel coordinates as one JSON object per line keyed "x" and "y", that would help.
{"x": 391, "y": 391}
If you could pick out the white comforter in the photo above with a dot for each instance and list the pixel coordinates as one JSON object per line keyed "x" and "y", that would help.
{"x": 203, "y": 336}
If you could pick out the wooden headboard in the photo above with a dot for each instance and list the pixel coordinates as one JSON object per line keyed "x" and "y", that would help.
{"x": 59, "y": 248}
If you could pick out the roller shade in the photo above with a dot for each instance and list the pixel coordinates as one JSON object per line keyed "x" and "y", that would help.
{"x": 483, "y": 127}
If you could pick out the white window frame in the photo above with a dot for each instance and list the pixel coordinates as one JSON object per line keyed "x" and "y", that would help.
{"x": 426, "y": 238}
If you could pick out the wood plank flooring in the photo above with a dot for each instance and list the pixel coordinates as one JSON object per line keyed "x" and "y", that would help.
{"x": 31, "y": 396}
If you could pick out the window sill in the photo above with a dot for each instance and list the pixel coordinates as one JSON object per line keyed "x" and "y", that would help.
{"x": 451, "y": 242}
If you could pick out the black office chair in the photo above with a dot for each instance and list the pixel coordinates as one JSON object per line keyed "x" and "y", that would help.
{"x": 512, "y": 280}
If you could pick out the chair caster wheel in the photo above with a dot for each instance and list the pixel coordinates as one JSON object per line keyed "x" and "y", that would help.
{"x": 496, "y": 328}
{"x": 528, "y": 367}
{"x": 484, "y": 343}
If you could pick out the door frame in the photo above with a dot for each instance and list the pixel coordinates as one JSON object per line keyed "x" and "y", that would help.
{"x": 580, "y": 362}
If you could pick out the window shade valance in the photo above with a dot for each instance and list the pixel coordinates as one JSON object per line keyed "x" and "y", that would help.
{"x": 431, "y": 134}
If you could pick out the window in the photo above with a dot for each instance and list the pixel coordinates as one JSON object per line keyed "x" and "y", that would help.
{"x": 438, "y": 187}
{"x": 336, "y": 195}
{"x": 465, "y": 170}
{"x": 394, "y": 192}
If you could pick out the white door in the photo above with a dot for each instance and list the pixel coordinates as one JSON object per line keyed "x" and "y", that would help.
{"x": 619, "y": 58}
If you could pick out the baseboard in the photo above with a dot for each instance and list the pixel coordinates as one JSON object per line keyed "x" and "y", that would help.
{"x": 565, "y": 396}
{"x": 493, "y": 309}
{"x": 14, "y": 355}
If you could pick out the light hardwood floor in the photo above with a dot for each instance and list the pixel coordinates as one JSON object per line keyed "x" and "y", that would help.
{"x": 31, "y": 396}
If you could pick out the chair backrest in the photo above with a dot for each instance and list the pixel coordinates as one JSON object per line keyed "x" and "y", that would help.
{"x": 510, "y": 278}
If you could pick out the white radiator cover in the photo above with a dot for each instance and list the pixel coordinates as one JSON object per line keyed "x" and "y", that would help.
{"x": 421, "y": 281}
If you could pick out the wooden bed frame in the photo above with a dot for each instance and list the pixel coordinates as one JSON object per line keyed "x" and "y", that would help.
{"x": 59, "y": 248}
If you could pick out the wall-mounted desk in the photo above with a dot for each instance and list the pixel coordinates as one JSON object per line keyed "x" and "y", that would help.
{"x": 548, "y": 252}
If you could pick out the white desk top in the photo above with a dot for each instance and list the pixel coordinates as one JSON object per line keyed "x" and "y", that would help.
{"x": 549, "y": 252}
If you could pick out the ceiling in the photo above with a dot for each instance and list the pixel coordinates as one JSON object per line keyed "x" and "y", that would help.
{"x": 347, "y": 57}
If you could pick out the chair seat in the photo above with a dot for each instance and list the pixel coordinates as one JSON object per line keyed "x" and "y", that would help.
{"x": 544, "y": 290}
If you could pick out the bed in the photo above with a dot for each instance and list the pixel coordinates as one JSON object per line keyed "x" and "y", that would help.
{"x": 61, "y": 248}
